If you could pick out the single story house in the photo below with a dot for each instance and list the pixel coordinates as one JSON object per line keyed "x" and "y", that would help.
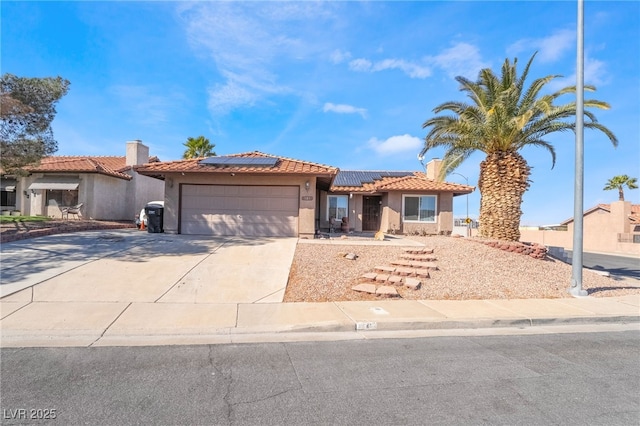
{"x": 258, "y": 194}
{"x": 108, "y": 187}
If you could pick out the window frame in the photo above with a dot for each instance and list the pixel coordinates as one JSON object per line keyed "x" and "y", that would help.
{"x": 7, "y": 197}
{"x": 346, "y": 207}
{"x": 419, "y": 196}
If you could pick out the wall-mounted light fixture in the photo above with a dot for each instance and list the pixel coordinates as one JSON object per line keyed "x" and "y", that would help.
{"x": 307, "y": 185}
{"x": 170, "y": 182}
{"x": 26, "y": 194}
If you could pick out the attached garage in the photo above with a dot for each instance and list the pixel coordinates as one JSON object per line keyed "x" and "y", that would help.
{"x": 243, "y": 210}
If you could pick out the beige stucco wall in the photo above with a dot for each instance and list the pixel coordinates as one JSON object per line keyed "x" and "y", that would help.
{"x": 306, "y": 218}
{"x": 140, "y": 191}
{"x": 391, "y": 213}
{"x": 601, "y": 229}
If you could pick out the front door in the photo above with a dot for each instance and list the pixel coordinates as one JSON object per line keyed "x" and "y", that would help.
{"x": 371, "y": 213}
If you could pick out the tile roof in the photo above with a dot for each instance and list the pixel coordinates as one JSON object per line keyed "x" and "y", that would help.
{"x": 108, "y": 165}
{"x": 406, "y": 181}
{"x": 282, "y": 166}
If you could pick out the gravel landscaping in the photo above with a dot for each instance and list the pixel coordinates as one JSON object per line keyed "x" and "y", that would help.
{"x": 466, "y": 270}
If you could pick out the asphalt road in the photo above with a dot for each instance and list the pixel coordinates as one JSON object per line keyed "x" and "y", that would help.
{"x": 568, "y": 379}
{"x": 616, "y": 265}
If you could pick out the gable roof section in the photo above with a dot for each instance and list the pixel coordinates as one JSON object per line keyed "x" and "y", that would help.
{"x": 107, "y": 165}
{"x": 634, "y": 218}
{"x": 368, "y": 182}
{"x": 280, "y": 166}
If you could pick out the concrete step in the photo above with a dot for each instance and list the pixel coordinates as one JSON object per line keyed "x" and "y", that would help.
{"x": 415, "y": 264}
{"x": 419, "y": 250}
{"x": 419, "y": 257}
{"x": 373, "y": 279}
{"x": 402, "y": 271}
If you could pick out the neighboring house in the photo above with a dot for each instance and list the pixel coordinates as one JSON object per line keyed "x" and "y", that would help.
{"x": 257, "y": 194}
{"x": 108, "y": 187}
{"x": 610, "y": 228}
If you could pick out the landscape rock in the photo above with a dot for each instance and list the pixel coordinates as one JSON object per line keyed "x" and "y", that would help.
{"x": 365, "y": 288}
{"x": 395, "y": 279}
{"x": 412, "y": 283}
{"x": 351, "y": 256}
{"x": 387, "y": 291}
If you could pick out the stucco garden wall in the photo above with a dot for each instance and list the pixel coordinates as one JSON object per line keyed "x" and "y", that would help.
{"x": 601, "y": 229}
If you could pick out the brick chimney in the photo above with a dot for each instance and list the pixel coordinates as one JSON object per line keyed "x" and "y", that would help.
{"x": 137, "y": 153}
{"x": 433, "y": 168}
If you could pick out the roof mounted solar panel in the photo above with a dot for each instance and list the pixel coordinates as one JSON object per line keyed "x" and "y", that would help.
{"x": 360, "y": 177}
{"x": 239, "y": 161}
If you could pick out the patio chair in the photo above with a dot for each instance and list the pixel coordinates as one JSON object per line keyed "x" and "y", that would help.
{"x": 74, "y": 210}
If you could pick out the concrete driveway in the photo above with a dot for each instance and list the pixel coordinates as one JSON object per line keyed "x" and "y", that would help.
{"x": 131, "y": 266}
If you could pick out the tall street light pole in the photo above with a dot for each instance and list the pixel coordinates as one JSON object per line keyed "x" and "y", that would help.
{"x": 467, "y": 221}
{"x": 578, "y": 203}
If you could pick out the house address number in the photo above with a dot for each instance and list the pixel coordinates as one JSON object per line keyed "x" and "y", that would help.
{"x": 307, "y": 198}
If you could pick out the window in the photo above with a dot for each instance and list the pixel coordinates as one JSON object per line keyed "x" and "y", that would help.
{"x": 61, "y": 197}
{"x": 419, "y": 208}
{"x": 8, "y": 198}
{"x": 337, "y": 206}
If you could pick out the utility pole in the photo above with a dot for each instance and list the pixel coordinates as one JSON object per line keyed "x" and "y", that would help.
{"x": 578, "y": 203}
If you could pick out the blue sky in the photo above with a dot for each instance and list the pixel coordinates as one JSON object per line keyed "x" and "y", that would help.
{"x": 342, "y": 83}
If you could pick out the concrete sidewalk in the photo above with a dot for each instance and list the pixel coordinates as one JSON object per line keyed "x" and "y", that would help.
{"x": 26, "y": 324}
{"x": 129, "y": 288}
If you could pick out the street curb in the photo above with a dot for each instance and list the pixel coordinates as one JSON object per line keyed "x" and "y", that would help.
{"x": 43, "y": 338}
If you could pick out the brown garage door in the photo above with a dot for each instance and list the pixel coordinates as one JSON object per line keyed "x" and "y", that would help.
{"x": 239, "y": 210}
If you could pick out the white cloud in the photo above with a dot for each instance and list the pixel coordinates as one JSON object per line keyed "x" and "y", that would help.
{"x": 344, "y": 109}
{"x": 360, "y": 64}
{"x": 338, "y": 56}
{"x": 395, "y": 144}
{"x": 250, "y": 44}
{"x": 461, "y": 59}
{"x": 413, "y": 70}
{"x": 595, "y": 73}
{"x": 549, "y": 48}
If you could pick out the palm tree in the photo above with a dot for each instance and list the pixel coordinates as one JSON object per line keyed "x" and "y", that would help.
{"x": 619, "y": 182}
{"x": 503, "y": 118}
{"x": 198, "y": 148}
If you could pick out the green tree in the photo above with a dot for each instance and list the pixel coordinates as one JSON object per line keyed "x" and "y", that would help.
{"x": 198, "y": 148}
{"x": 619, "y": 182}
{"x": 27, "y": 108}
{"x": 502, "y": 118}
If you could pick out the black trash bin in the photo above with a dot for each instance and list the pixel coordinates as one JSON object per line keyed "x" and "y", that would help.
{"x": 155, "y": 213}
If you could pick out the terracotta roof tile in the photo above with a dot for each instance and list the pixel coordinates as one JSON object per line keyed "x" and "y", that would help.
{"x": 110, "y": 166}
{"x": 414, "y": 182}
{"x": 283, "y": 166}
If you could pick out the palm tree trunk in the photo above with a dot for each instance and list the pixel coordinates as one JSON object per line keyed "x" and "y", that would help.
{"x": 504, "y": 178}
{"x": 620, "y": 193}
